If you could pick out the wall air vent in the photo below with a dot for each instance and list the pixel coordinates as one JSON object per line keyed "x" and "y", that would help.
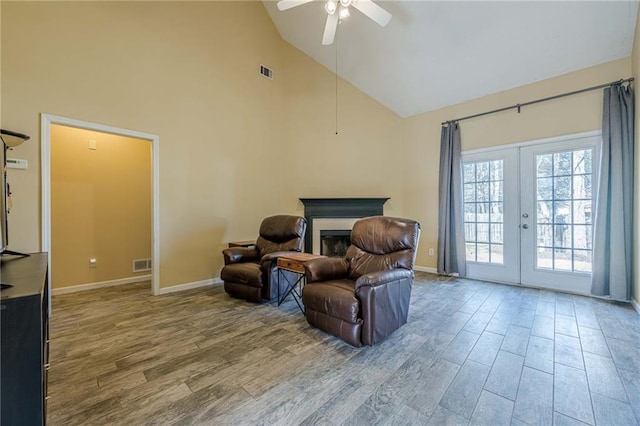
{"x": 266, "y": 72}
{"x": 141, "y": 265}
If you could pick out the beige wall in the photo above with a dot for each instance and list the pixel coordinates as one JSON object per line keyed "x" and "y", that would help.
{"x": 574, "y": 114}
{"x": 1, "y": 63}
{"x": 187, "y": 72}
{"x": 365, "y": 158}
{"x": 100, "y": 205}
{"x": 635, "y": 65}
{"x": 234, "y": 146}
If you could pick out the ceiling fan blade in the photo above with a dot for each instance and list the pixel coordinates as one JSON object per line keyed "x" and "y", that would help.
{"x": 330, "y": 29}
{"x": 288, "y": 4}
{"x": 373, "y": 11}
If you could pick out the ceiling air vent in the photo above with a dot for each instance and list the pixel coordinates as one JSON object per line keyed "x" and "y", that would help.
{"x": 141, "y": 265}
{"x": 266, "y": 72}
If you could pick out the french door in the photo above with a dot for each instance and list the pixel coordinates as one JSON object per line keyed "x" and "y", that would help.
{"x": 528, "y": 213}
{"x": 491, "y": 205}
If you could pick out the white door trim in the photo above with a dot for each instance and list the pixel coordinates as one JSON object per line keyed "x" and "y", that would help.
{"x": 46, "y": 121}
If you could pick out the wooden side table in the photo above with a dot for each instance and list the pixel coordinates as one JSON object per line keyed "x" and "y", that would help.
{"x": 293, "y": 262}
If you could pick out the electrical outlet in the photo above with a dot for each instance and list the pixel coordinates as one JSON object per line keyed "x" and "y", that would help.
{"x": 432, "y": 252}
{"x": 93, "y": 262}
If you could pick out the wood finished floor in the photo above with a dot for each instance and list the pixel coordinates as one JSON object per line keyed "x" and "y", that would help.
{"x": 471, "y": 353}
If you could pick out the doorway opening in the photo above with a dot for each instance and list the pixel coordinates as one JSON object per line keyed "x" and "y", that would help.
{"x": 49, "y": 123}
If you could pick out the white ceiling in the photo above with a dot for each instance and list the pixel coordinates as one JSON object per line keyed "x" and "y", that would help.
{"x": 438, "y": 53}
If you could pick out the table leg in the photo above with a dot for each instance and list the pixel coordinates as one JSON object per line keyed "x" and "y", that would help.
{"x": 291, "y": 288}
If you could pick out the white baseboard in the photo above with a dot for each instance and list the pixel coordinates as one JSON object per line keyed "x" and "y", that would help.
{"x": 92, "y": 286}
{"x": 190, "y": 286}
{"x": 636, "y": 305}
{"x": 425, "y": 269}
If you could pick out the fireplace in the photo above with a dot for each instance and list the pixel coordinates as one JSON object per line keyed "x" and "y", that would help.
{"x": 334, "y": 242}
{"x": 330, "y": 231}
{"x": 333, "y": 219}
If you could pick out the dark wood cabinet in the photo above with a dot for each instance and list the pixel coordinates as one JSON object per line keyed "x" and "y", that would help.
{"x": 24, "y": 350}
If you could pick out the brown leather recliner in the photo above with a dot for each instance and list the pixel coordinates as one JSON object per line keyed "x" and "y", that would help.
{"x": 249, "y": 272}
{"x": 365, "y": 296}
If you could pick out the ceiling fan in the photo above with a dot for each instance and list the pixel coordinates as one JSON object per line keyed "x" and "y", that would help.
{"x": 337, "y": 10}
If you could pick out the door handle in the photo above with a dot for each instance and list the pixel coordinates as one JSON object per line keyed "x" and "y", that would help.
{"x": 525, "y": 226}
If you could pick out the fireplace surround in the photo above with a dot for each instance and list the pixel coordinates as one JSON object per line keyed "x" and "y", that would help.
{"x": 335, "y": 214}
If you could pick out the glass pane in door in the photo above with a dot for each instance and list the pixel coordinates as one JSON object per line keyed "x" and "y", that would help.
{"x": 483, "y": 211}
{"x": 563, "y": 210}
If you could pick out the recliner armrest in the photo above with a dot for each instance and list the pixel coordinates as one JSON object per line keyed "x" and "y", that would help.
{"x": 275, "y": 255}
{"x": 383, "y": 277}
{"x": 240, "y": 254}
{"x": 326, "y": 268}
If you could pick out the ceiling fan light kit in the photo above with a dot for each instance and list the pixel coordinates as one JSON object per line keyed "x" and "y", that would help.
{"x": 366, "y": 7}
{"x": 331, "y": 7}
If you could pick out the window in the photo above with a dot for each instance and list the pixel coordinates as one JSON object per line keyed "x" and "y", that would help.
{"x": 563, "y": 216}
{"x": 483, "y": 211}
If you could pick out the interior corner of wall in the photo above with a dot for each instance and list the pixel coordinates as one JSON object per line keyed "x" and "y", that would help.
{"x": 636, "y": 304}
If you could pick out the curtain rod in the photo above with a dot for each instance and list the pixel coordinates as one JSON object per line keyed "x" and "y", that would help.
{"x": 518, "y": 106}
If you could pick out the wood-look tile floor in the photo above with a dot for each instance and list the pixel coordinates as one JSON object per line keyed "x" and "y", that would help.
{"x": 472, "y": 353}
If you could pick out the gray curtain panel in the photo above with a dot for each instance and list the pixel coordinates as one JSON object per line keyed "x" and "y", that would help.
{"x": 451, "y": 252}
{"x": 613, "y": 225}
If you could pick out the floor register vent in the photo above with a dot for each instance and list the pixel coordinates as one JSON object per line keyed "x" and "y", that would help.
{"x": 141, "y": 265}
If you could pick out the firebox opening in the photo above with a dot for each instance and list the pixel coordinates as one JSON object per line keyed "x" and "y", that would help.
{"x": 334, "y": 243}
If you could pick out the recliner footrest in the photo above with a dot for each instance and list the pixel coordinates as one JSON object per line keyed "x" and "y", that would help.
{"x": 349, "y": 332}
{"x": 251, "y": 294}
{"x": 248, "y": 274}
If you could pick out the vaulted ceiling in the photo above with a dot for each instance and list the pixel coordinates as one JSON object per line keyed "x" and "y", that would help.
{"x": 438, "y": 53}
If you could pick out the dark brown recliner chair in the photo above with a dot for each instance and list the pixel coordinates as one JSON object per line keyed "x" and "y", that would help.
{"x": 364, "y": 297}
{"x": 249, "y": 272}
